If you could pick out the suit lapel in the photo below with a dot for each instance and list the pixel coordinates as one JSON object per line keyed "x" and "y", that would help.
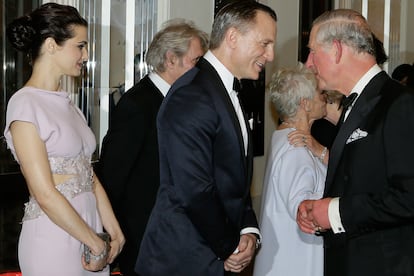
{"x": 366, "y": 102}
{"x": 225, "y": 97}
{"x": 249, "y": 156}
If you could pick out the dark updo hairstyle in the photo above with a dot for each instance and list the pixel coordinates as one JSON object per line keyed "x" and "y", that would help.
{"x": 27, "y": 33}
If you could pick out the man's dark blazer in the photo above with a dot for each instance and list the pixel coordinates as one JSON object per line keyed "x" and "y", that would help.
{"x": 128, "y": 166}
{"x": 374, "y": 177}
{"x": 204, "y": 196}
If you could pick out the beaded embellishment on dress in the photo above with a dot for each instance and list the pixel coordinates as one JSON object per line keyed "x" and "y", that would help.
{"x": 80, "y": 170}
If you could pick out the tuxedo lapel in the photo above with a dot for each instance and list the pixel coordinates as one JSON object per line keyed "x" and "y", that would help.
{"x": 249, "y": 131}
{"x": 249, "y": 157}
{"x": 366, "y": 102}
{"x": 218, "y": 86}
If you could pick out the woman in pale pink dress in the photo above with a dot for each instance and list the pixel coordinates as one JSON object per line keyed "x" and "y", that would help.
{"x": 49, "y": 137}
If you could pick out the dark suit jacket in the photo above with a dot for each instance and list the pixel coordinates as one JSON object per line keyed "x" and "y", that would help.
{"x": 204, "y": 196}
{"x": 128, "y": 166}
{"x": 374, "y": 178}
{"x": 324, "y": 132}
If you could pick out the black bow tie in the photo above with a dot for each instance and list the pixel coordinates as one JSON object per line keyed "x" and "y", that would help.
{"x": 347, "y": 101}
{"x": 236, "y": 85}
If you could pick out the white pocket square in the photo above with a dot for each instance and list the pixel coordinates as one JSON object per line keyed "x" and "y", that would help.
{"x": 356, "y": 135}
{"x": 251, "y": 123}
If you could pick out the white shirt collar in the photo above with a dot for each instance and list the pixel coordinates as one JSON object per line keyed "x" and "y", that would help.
{"x": 366, "y": 79}
{"x": 362, "y": 83}
{"x": 159, "y": 82}
{"x": 226, "y": 76}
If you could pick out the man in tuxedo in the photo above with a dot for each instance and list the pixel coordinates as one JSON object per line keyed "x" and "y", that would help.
{"x": 129, "y": 166}
{"x": 203, "y": 222}
{"x": 367, "y": 213}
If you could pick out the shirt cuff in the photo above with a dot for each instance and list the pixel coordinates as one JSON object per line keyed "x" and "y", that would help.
{"x": 252, "y": 230}
{"x": 334, "y": 216}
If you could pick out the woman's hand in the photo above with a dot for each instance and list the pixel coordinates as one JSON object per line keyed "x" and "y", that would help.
{"x": 300, "y": 138}
{"x": 117, "y": 243}
{"x": 94, "y": 265}
{"x": 96, "y": 261}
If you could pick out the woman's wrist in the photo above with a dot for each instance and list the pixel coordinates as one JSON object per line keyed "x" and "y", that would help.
{"x": 103, "y": 254}
{"x": 323, "y": 154}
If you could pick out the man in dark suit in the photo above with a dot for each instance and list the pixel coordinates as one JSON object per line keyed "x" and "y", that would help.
{"x": 128, "y": 166}
{"x": 368, "y": 209}
{"x": 203, "y": 222}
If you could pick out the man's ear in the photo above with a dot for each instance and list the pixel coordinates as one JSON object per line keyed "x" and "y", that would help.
{"x": 171, "y": 59}
{"x": 232, "y": 35}
{"x": 51, "y": 45}
{"x": 338, "y": 50}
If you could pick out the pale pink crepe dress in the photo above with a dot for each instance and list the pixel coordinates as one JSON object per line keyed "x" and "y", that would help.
{"x": 44, "y": 248}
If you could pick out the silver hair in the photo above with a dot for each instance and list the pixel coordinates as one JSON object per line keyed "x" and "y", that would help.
{"x": 289, "y": 86}
{"x": 175, "y": 36}
{"x": 348, "y": 27}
